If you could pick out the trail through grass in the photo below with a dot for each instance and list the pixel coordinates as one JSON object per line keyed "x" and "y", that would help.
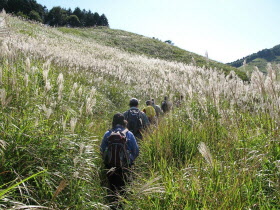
{"x": 217, "y": 150}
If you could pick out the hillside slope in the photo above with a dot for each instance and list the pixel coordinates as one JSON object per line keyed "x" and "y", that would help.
{"x": 153, "y": 48}
{"x": 259, "y": 59}
{"x": 217, "y": 148}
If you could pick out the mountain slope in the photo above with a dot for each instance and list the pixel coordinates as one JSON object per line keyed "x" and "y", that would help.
{"x": 259, "y": 59}
{"x": 59, "y": 91}
{"x": 153, "y": 48}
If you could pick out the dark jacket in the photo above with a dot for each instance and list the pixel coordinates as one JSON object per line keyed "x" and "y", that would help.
{"x": 143, "y": 117}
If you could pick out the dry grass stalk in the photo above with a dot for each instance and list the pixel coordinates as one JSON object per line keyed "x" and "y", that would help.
{"x": 60, "y": 187}
{"x": 204, "y": 150}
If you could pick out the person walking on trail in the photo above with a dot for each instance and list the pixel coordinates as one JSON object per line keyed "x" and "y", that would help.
{"x": 137, "y": 120}
{"x": 166, "y": 105}
{"x": 180, "y": 101}
{"x": 119, "y": 149}
{"x": 150, "y": 112}
{"x": 158, "y": 110}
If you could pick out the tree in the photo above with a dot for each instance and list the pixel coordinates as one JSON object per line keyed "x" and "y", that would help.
{"x": 266, "y": 54}
{"x": 73, "y": 21}
{"x": 69, "y": 12}
{"x": 21, "y": 14}
{"x": 96, "y": 17}
{"x": 33, "y": 15}
{"x": 169, "y": 42}
{"x": 34, "y": 6}
{"x": 24, "y": 7}
{"x": 78, "y": 12}
{"x": 91, "y": 19}
{"x": 103, "y": 21}
{"x": 57, "y": 17}
{"x": 88, "y": 19}
{"x": 3, "y": 4}
{"x": 15, "y": 6}
{"x": 276, "y": 50}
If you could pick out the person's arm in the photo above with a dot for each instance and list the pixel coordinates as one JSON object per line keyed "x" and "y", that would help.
{"x": 145, "y": 120}
{"x": 125, "y": 114}
{"x": 154, "y": 111}
{"x": 132, "y": 146}
{"x": 104, "y": 142}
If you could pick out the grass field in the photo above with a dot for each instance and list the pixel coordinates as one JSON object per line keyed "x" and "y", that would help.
{"x": 59, "y": 89}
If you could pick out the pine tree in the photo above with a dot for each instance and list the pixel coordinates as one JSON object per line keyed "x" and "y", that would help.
{"x": 103, "y": 21}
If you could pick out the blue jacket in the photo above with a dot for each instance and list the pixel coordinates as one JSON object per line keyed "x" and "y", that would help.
{"x": 131, "y": 142}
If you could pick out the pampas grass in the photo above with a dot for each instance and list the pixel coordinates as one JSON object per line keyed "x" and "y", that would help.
{"x": 205, "y": 152}
{"x": 59, "y": 92}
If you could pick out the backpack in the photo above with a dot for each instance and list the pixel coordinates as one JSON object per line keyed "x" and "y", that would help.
{"x": 150, "y": 111}
{"x": 116, "y": 154}
{"x": 134, "y": 121}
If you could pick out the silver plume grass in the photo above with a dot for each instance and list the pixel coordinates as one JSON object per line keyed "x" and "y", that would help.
{"x": 205, "y": 152}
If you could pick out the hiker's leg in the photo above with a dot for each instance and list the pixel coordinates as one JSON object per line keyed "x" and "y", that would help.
{"x": 116, "y": 181}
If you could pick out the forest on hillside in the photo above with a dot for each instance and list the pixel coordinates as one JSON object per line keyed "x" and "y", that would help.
{"x": 57, "y": 16}
{"x": 268, "y": 54}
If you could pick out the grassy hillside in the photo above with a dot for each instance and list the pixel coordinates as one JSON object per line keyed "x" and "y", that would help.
{"x": 260, "y": 60}
{"x": 153, "y": 48}
{"x": 261, "y": 64}
{"x": 59, "y": 91}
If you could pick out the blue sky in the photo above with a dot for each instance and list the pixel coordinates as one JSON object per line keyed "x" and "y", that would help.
{"x": 226, "y": 29}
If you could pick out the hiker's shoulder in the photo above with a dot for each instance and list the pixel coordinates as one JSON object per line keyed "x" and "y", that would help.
{"x": 130, "y": 137}
{"x": 129, "y": 134}
{"x": 107, "y": 133}
{"x": 126, "y": 113}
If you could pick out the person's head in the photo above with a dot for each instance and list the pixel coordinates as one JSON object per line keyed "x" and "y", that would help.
{"x": 133, "y": 102}
{"x": 118, "y": 119}
{"x": 148, "y": 102}
{"x": 165, "y": 98}
{"x": 153, "y": 101}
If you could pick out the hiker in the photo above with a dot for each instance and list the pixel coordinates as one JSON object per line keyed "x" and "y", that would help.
{"x": 119, "y": 150}
{"x": 137, "y": 120}
{"x": 158, "y": 110}
{"x": 150, "y": 112}
{"x": 166, "y": 105}
{"x": 180, "y": 101}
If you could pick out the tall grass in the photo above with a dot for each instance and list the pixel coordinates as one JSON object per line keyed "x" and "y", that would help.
{"x": 233, "y": 168}
{"x": 43, "y": 129}
{"x": 217, "y": 150}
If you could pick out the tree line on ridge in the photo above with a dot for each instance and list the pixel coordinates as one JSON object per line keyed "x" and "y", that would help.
{"x": 57, "y": 16}
{"x": 267, "y": 54}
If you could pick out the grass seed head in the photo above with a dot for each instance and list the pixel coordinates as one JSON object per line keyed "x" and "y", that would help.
{"x": 204, "y": 150}
{"x": 73, "y": 123}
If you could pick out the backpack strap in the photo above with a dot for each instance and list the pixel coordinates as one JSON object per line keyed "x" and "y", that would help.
{"x": 125, "y": 131}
